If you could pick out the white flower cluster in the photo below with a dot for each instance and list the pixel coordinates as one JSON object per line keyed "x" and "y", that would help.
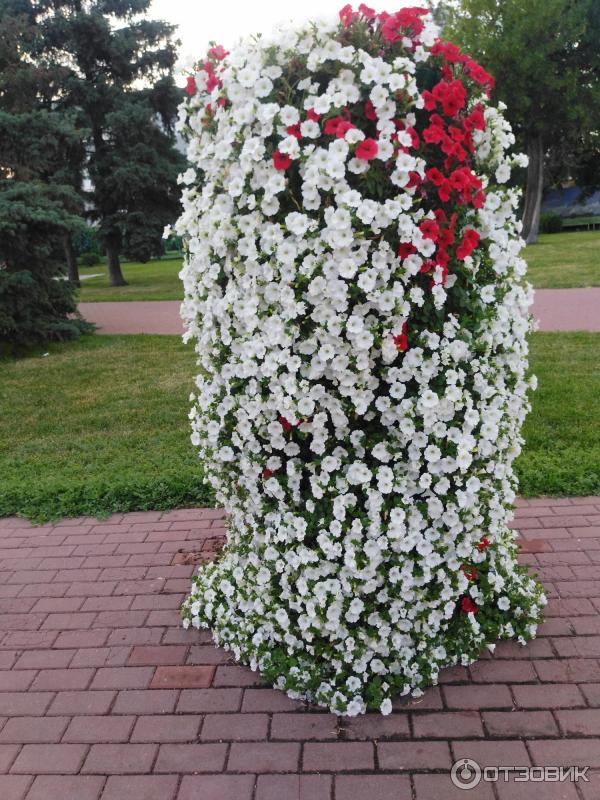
{"x": 357, "y": 415}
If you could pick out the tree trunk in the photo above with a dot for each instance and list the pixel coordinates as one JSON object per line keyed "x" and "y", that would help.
{"x": 115, "y": 276}
{"x": 533, "y": 190}
{"x": 71, "y": 259}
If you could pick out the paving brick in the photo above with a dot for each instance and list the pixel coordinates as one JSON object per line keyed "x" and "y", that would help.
{"x": 568, "y": 670}
{"x": 98, "y": 702}
{"x": 579, "y": 722}
{"x": 217, "y": 787}
{"x": 101, "y": 657}
{"x": 375, "y": 787}
{"x": 16, "y": 680}
{"x": 77, "y": 639}
{"x": 122, "y": 678}
{"x": 295, "y": 727}
{"x": 235, "y": 727}
{"x": 182, "y": 677}
{"x": 434, "y": 787}
{"x": 269, "y": 700}
{"x": 140, "y": 787}
{"x": 376, "y": 726}
{"x": 14, "y": 704}
{"x": 296, "y": 787}
{"x": 66, "y": 787}
{"x": 210, "y": 700}
{"x": 566, "y": 752}
{"x": 184, "y": 758}
{"x": 342, "y": 756}
{"x": 492, "y": 754}
{"x": 143, "y": 655}
{"x": 475, "y": 696}
{"x": 446, "y": 725}
{"x": 501, "y": 671}
{"x": 99, "y": 729}
{"x": 263, "y": 757}
{"x": 49, "y": 759}
{"x": 591, "y": 692}
{"x": 409, "y": 756}
{"x": 520, "y": 790}
{"x": 166, "y": 728}
{"x": 548, "y": 695}
{"x": 14, "y": 787}
{"x": 40, "y": 659}
{"x": 120, "y": 759}
{"x": 8, "y": 753}
{"x": 57, "y": 680}
{"x": 235, "y": 676}
{"x": 145, "y": 701}
{"x": 520, "y": 723}
{"x": 33, "y": 729}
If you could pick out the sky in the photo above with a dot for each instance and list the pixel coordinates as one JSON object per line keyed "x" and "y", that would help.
{"x": 225, "y": 21}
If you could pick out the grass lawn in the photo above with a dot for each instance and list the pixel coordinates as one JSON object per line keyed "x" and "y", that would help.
{"x": 564, "y": 260}
{"x": 155, "y": 280}
{"x": 101, "y": 425}
{"x": 558, "y": 260}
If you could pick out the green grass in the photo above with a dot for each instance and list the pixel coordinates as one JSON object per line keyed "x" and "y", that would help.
{"x": 155, "y": 280}
{"x": 564, "y": 260}
{"x": 562, "y": 434}
{"x": 100, "y": 425}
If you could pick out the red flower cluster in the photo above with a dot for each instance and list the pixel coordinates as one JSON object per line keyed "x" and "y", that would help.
{"x": 450, "y": 95}
{"x": 483, "y": 543}
{"x": 470, "y": 573}
{"x": 453, "y": 55}
{"x": 338, "y": 126}
{"x": 406, "y": 20}
{"x": 469, "y": 242}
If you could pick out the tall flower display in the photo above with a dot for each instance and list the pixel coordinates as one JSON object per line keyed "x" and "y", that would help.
{"x": 354, "y": 288}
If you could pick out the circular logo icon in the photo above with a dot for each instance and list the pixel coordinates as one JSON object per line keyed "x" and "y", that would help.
{"x": 465, "y": 773}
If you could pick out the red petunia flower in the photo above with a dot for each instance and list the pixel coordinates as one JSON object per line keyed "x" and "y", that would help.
{"x": 190, "y": 86}
{"x": 470, "y": 573}
{"x": 281, "y": 161}
{"x": 347, "y": 15}
{"x": 285, "y": 424}
{"x": 469, "y": 242}
{"x": 430, "y": 229}
{"x": 401, "y": 340}
{"x": 367, "y": 149}
{"x": 294, "y": 130}
{"x": 369, "y": 110}
{"x": 483, "y": 543}
{"x": 368, "y": 13}
{"x": 312, "y": 115}
{"x": 218, "y": 52}
{"x": 267, "y": 473}
{"x": 468, "y": 606}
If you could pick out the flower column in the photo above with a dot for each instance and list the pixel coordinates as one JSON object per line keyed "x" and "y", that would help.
{"x": 355, "y": 292}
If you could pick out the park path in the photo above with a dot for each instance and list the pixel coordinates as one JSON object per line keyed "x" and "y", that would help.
{"x": 103, "y": 696}
{"x": 557, "y": 310}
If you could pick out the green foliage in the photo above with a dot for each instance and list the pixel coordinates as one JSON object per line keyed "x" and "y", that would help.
{"x": 90, "y": 259}
{"x": 546, "y": 61}
{"x": 40, "y": 153}
{"x": 61, "y": 462}
{"x": 550, "y": 223}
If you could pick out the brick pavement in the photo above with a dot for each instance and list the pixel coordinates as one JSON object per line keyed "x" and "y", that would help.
{"x": 103, "y": 695}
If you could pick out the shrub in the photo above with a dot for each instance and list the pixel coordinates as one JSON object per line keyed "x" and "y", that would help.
{"x": 354, "y": 288}
{"x": 89, "y": 259}
{"x": 550, "y": 223}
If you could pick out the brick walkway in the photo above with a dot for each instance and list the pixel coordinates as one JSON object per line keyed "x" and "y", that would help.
{"x": 103, "y": 695}
{"x": 557, "y": 310}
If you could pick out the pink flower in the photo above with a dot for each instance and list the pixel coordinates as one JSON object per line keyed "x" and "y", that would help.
{"x": 218, "y": 52}
{"x": 367, "y": 149}
{"x": 190, "y": 87}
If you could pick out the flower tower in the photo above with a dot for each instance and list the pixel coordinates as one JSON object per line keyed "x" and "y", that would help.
{"x": 355, "y": 292}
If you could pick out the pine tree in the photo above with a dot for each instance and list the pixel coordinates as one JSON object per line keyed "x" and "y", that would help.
{"x": 115, "y": 70}
{"x": 39, "y": 149}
